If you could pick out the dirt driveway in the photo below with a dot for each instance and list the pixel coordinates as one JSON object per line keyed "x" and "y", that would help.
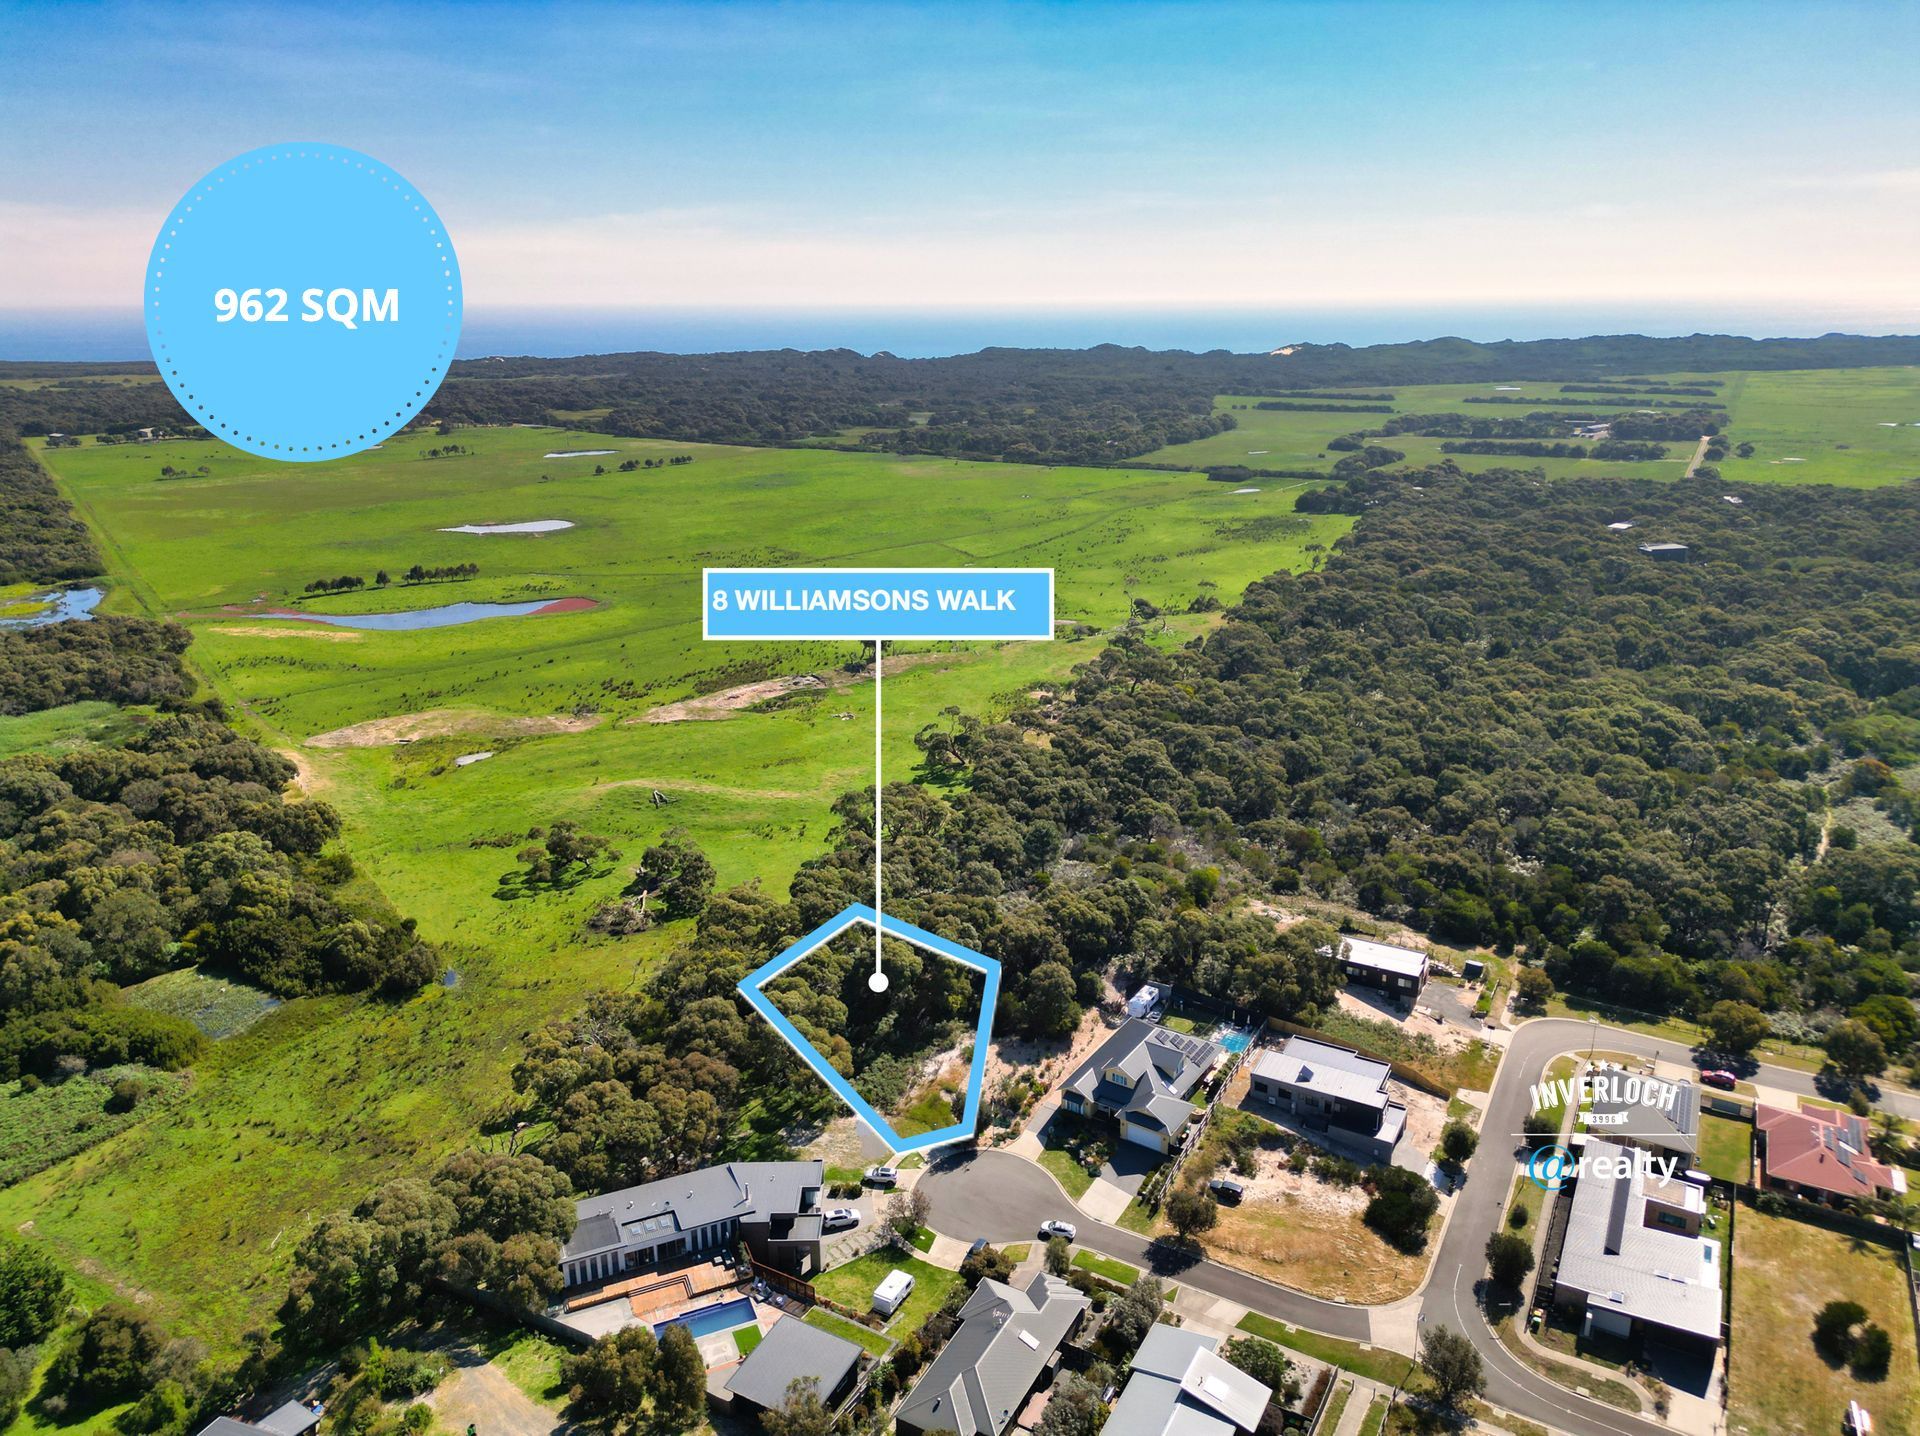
{"x": 481, "y": 1395}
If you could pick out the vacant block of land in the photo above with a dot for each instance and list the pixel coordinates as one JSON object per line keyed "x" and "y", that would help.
{"x": 1784, "y": 1271}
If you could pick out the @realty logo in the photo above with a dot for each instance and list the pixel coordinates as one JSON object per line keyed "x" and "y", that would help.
{"x": 1551, "y": 1168}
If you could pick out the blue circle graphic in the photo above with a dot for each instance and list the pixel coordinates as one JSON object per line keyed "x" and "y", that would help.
{"x": 1550, "y": 1168}
{"x": 303, "y": 302}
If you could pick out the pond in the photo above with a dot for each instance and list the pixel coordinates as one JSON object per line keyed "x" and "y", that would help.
{"x": 445, "y": 616}
{"x": 74, "y": 603}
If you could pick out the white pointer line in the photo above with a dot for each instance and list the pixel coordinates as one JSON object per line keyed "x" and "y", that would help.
{"x": 879, "y": 980}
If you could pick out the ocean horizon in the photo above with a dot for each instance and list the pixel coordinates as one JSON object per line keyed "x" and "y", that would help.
{"x": 105, "y": 335}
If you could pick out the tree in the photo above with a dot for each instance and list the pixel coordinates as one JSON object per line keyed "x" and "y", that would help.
{"x": 1855, "y": 1050}
{"x": 1892, "y": 1017}
{"x": 16, "y": 1375}
{"x": 33, "y": 1293}
{"x": 1403, "y": 1203}
{"x": 1458, "y": 1141}
{"x": 111, "y": 1360}
{"x": 1872, "y": 1350}
{"x": 675, "y": 873}
{"x": 802, "y": 1413}
{"x": 1074, "y": 1409}
{"x": 1736, "y": 1027}
{"x": 1532, "y": 987}
{"x": 1133, "y": 1314}
{"x": 1452, "y": 1364}
{"x": 989, "y": 1263}
{"x": 1051, "y": 1006}
{"x": 679, "y": 1379}
{"x": 561, "y": 857}
{"x": 907, "y": 1212}
{"x": 1509, "y": 1259}
{"x": 1192, "y": 1211}
{"x": 1059, "y": 1256}
{"x": 611, "y": 1378}
{"x": 1833, "y": 1328}
{"x": 1265, "y": 1363}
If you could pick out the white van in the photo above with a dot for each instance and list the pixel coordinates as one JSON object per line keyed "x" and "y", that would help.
{"x": 894, "y": 1289}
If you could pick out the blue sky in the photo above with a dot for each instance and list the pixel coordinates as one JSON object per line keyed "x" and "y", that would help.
{"x": 1035, "y": 155}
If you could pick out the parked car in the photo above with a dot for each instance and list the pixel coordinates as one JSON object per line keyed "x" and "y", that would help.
{"x": 1227, "y": 1190}
{"x": 883, "y": 1176}
{"x": 979, "y": 1245}
{"x": 1050, "y": 1230}
{"x": 839, "y": 1219}
{"x": 1716, "y": 1077}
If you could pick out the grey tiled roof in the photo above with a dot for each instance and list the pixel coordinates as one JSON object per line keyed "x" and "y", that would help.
{"x": 1675, "y": 1126}
{"x": 1006, "y": 1336}
{"x": 1162, "y": 1069}
{"x": 745, "y": 1191}
{"x": 792, "y": 1349}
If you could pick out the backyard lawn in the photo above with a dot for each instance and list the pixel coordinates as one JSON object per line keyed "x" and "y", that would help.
{"x": 852, "y": 1286}
{"x": 872, "y": 1341}
{"x": 1726, "y": 1147}
{"x": 1784, "y": 1271}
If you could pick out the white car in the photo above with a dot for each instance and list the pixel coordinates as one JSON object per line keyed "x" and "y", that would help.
{"x": 883, "y": 1176}
{"x": 1049, "y": 1230}
{"x": 839, "y": 1219}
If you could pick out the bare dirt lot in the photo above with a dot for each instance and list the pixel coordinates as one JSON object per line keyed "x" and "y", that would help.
{"x": 445, "y": 722}
{"x": 1309, "y": 1233}
{"x": 1054, "y": 1059}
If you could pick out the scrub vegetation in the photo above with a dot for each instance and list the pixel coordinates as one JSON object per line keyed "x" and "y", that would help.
{"x": 1452, "y": 699}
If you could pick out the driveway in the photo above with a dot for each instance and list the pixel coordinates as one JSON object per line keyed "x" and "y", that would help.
{"x": 481, "y": 1395}
{"x": 1453, "y": 1004}
{"x": 1004, "y": 1198}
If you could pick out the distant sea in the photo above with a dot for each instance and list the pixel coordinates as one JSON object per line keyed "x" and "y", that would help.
{"x": 117, "y": 334}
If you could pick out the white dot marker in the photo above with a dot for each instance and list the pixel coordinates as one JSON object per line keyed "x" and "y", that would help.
{"x": 878, "y": 982}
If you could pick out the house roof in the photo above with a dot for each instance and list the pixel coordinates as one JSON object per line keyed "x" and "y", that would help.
{"x": 1399, "y": 961}
{"x": 1674, "y": 1125}
{"x": 293, "y": 1419}
{"x": 744, "y": 1191}
{"x": 1161, "y": 1067}
{"x": 1332, "y": 1071}
{"x": 1006, "y": 1337}
{"x": 790, "y": 1350}
{"x": 1824, "y": 1150}
{"x": 1655, "y": 1275}
{"x": 1182, "y": 1387}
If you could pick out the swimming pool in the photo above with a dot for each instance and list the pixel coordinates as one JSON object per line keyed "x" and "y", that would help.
{"x": 710, "y": 1319}
{"x": 1234, "y": 1041}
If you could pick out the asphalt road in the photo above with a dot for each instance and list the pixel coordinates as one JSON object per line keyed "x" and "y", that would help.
{"x": 1451, "y": 1296}
{"x": 1004, "y": 1198}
